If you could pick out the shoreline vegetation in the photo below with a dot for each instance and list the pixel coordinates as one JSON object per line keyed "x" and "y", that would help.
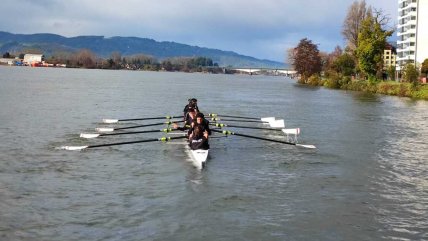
{"x": 392, "y": 88}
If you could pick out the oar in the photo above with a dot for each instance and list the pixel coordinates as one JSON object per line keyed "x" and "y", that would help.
{"x": 94, "y": 135}
{"x": 138, "y": 119}
{"x": 220, "y": 125}
{"x": 253, "y": 121}
{"x": 163, "y": 139}
{"x": 264, "y": 139}
{"x": 264, "y": 119}
{"x": 272, "y": 123}
{"x": 104, "y": 129}
{"x": 233, "y": 116}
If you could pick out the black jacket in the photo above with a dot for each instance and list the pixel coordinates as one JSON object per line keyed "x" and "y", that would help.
{"x": 199, "y": 143}
{"x": 186, "y": 108}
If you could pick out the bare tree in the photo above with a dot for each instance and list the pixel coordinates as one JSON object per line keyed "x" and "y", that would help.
{"x": 85, "y": 58}
{"x": 352, "y": 24}
{"x": 116, "y": 57}
{"x": 382, "y": 18}
{"x": 289, "y": 58}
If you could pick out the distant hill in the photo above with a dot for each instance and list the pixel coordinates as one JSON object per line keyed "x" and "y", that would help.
{"x": 103, "y": 47}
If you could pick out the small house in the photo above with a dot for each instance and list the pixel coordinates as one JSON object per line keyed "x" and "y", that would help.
{"x": 33, "y": 58}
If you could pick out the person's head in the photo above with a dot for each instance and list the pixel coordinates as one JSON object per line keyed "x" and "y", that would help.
{"x": 199, "y": 118}
{"x": 198, "y": 131}
{"x": 193, "y": 101}
{"x": 192, "y": 105}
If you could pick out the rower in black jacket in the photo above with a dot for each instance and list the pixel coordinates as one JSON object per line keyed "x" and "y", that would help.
{"x": 189, "y": 118}
{"x": 200, "y": 119}
{"x": 192, "y": 103}
{"x": 198, "y": 139}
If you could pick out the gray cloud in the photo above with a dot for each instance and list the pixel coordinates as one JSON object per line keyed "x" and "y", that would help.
{"x": 263, "y": 29}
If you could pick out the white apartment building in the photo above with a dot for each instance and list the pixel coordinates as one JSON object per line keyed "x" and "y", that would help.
{"x": 412, "y": 32}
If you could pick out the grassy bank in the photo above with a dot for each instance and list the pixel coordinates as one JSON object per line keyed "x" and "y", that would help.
{"x": 379, "y": 87}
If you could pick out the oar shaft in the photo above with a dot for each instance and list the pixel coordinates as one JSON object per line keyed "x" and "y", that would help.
{"x": 152, "y": 118}
{"x": 137, "y": 132}
{"x": 255, "y": 137}
{"x": 140, "y": 141}
{"x": 233, "y": 116}
{"x": 254, "y": 121}
{"x": 265, "y": 139}
{"x": 147, "y": 125}
{"x": 245, "y": 127}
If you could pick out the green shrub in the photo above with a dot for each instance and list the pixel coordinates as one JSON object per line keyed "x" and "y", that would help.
{"x": 332, "y": 81}
{"x": 344, "y": 81}
{"x": 422, "y": 93}
{"x": 314, "y": 80}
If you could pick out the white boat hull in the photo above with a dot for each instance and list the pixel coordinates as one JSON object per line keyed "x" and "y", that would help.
{"x": 199, "y": 158}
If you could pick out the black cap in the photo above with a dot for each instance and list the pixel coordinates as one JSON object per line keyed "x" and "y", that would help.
{"x": 199, "y": 115}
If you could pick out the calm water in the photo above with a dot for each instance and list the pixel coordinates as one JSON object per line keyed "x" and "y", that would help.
{"x": 368, "y": 179}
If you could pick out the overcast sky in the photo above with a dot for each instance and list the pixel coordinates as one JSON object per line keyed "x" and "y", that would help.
{"x": 260, "y": 28}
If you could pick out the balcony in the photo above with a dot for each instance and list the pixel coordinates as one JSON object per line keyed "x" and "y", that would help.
{"x": 406, "y": 40}
{"x": 404, "y": 31}
{"x": 409, "y": 5}
{"x": 407, "y": 23}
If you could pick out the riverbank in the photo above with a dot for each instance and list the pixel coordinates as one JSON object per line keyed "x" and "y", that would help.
{"x": 402, "y": 89}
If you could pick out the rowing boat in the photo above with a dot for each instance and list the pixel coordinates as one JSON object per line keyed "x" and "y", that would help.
{"x": 199, "y": 158}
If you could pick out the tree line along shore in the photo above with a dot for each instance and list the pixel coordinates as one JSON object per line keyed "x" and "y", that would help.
{"x": 87, "y": 59}
{"x": 360, "y": 65}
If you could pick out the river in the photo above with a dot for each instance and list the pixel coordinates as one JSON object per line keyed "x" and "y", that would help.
{"x": 367, "y": 179}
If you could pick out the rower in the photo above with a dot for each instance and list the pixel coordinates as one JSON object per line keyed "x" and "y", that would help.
{"x": 200, "y": 120}
{"x": 192, "y": 103}
{"x": 198, "y": 139}
{"x": 191, "y": 108}
{"x": 188, "y": 120}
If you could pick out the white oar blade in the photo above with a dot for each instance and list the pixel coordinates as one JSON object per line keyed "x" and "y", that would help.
{"x": 307, "y": 146}
{"x": 102, "y": 129}
{"x": 293, "y": 131}
{"x": 267, "y": 119}
{"x": 109, "y": 121}
{"x": 277, "y": 124}
{"x": 73, "y": 148}
{"x": 89, "y": 135}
